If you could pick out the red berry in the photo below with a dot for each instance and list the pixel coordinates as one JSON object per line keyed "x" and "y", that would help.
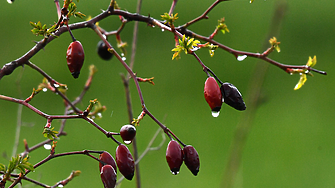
{"x": 127, "y": 133}
{"x": 103, "y": 52}
{"x": 125, "y": 162}
{"x": 232, "y": 96}
{"x": 213, "y": 94}
{"x": 75, "y": 58}
{"x": 107, "y": 159}
{"x": 108, "y": 176}
{"x": 174, "y": 156}
{"x": 191, "y": 159}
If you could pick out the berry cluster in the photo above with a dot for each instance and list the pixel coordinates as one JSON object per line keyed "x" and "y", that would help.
{"x": 124, "y": 160}
{"x": 227, "y": 93}
{"x": 175, "y": 157}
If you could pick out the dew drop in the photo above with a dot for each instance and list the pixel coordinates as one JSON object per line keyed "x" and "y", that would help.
{"x": 47, "y": 146}
{"x": 44, "y": 89}
{"x": 122, "y": 54}
{"x": 291, "y": 73}
{"x": 124, "y": 58}
{"x": 56, "y": 85}
{"x": 241, "y": 57}
{"x": 195, "y": 49}
{"x": 60, "y": 185}
{"x": 163, "y": 30}
{"x": 99, "y": 115}
{"x": 215, "y": 113}
{"x": 175, "y": 173}
{"x": 127, "y": 141}
{"x": 9, "y": 1}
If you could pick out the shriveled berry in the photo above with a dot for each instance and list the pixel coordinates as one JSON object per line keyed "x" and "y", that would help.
{"x": 191, "y": 159}
{"x": 174, "y": 156}
{"x": 125, "y": 161}
{"x": 213, "y": 95}
{"x": 75, "y": 58}
{"x": 232, "y": 96}
{"x": 127, "y": 133}
{"x": 107, "y": 159}
{"x": 108, "y": 176}
{"x": 103, "y": 52}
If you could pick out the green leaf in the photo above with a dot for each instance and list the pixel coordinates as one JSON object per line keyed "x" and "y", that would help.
{"x": 33, "y": 24}
{"x": 3, "y": 167}
{"x": 311, "y": 62}
{"x": 302, "y": 80}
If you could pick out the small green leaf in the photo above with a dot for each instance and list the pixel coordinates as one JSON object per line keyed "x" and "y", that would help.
{"x": 302, "y": 80}
{"x": 311, "y": 62}
{"x": 3, "y": 167}
{"x": 33, "y": 24}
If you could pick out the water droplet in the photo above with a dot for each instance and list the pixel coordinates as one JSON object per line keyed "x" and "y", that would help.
{"x": 60, "y": 185}
{"x": 195, "y": 49}
{"x": 241, "y": 57}
{"x": 175, "y": 173}
{"x": 99, "y": 115}
{"x": 122, "y": 54}
{"x": 127, "y": 141}
{"x": 215, "y": 113}
{"x": 124, "y": 58}
{"x": 163, "y": 30}
{"x": 56, "y": 85}
{"x": 47, "y": 146}
{"x": 9, "y": 1}
{"x": 44, "y": 89}
{"x": 291, "y": 73}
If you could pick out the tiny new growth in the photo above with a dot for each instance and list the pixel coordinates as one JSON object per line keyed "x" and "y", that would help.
{"x": 123, "y": 163}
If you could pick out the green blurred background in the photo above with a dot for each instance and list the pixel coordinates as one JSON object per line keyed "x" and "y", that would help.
{"x": 292, "y": 140}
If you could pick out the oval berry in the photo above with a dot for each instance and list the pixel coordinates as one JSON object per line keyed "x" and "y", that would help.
{"x": 125, "y": 161}
{"x": 103, "y": 52}
{"x": 191, "y": 159}
{"x": 107, "y": 159}
{"x": 127, "y": 133}
{"x": 232, "y": 96}
{"x": 174, "y": 156}
{"x": 213, "y": 95}
{"x": 108, "y": 176}
{"x": 75, "y": 58}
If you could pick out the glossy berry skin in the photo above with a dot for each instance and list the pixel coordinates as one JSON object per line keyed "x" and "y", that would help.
{"x": 103, "y": 52}
{"x": 108, "y": 176}
{"x": 213, "y": 94}
{"x": 125, "y": 161}
{"x": 75, "y": 58}
{"x": 232, "y": 96}
{"x": 174, "y": 156}
{"x": 107, "y": 159}
{"x": 128, "y": 133}
{"x": 191, "y": 159}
